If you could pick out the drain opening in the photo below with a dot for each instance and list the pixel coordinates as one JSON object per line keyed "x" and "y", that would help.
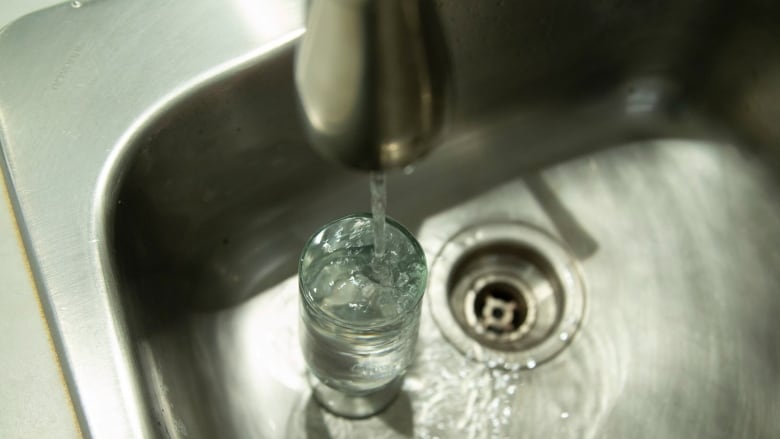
{"x": 499, "y": 308}
{"x": 503, "y": 296}
{"x": 505, "y": 293}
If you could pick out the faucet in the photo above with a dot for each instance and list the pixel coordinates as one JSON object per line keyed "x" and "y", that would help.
{"x": 372, "y": 79}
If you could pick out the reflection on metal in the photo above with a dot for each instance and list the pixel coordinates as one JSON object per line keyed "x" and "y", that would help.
{"x": 266, "y": 19}
{"x": 371, "y": 78}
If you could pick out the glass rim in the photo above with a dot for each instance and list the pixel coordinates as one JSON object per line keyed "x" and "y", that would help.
{"x": 351, "y": 325}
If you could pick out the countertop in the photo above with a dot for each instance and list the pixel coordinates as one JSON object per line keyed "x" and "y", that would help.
{"x": 34, "y": 402}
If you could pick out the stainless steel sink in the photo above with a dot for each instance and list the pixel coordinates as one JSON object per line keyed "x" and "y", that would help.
{"x": 165, "y": 189}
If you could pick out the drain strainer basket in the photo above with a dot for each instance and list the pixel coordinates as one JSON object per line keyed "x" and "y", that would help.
{"x": 507, "y": 294}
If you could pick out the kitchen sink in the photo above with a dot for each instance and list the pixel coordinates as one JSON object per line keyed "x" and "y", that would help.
{"x": 165, "y": 188}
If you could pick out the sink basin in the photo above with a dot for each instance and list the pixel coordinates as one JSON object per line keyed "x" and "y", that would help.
{"x": 165, "y": 205}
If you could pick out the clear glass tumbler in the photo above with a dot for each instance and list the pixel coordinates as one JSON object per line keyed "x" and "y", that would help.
{"x": 359, "y": 315}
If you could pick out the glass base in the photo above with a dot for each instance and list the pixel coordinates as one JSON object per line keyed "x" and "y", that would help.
{"x": 355, "y": 406}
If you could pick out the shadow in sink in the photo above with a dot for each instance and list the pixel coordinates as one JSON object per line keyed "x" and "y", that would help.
{"x": 217, "y": 195}
{"x": 313, "y": 422}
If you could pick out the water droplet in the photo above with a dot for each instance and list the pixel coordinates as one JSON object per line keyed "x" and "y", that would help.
{"x": 531, "y": 364}
{"x": 75, "y": 4}
{"x": 564, "y": 415}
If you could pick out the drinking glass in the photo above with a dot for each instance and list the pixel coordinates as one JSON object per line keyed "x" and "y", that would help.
{"x": 359, "y": 315}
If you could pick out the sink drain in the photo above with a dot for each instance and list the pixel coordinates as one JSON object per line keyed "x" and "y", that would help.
{"x": 506, "y": 294}
{"x": 498, "y": 310}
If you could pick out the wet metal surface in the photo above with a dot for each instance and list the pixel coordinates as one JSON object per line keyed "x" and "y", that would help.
{"x": 165, "y": 191}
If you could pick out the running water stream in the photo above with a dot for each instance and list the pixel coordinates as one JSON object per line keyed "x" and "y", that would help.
{"x": 378, "y": 207}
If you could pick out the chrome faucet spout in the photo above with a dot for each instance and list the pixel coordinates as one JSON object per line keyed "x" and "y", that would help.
{"x": 372, "y": 77}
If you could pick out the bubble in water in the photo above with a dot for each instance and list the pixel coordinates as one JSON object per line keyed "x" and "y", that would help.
{"x": 75, "y": 4}
{"x": 354, "y": 306}
{"x": 564, "y": 336}
{"x": 403, "y": 279}
{"x": 530, "y": 364}
{"x": 564, "y": 415}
